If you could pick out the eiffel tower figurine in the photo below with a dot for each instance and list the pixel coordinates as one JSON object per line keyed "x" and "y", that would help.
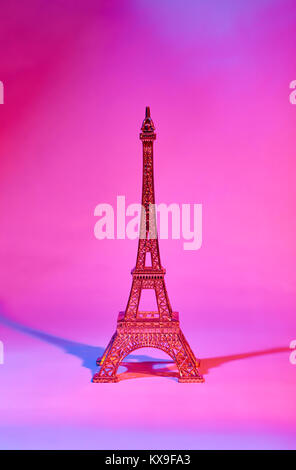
{"x": 138, "y": 329}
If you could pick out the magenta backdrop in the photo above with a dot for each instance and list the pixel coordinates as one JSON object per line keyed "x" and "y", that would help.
{"x": 77, "y": 77}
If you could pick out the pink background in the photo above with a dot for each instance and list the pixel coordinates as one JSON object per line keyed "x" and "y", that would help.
{"x": 77, "y": 77}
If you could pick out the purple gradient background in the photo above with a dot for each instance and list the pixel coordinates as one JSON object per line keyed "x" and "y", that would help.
{"x": 77, "y": 78}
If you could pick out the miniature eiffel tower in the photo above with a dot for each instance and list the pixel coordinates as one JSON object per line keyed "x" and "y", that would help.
{"x": 155, "y": 329}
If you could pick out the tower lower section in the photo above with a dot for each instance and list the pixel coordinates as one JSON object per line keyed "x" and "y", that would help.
{"x": 148, "y": 333}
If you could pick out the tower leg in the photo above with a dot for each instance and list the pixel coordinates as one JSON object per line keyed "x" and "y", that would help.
{"x": 111, "y": 359}
{"x": 187, "y": 362}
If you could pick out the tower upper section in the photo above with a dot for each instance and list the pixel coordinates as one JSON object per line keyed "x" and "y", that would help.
{"x": 148, "y": 127}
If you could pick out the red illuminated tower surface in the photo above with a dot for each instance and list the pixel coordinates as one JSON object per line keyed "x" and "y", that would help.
{"x": 154, "y": 329}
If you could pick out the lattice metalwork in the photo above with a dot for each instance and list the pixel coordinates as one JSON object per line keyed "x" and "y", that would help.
{"x": 173, "y": 343}
{"x": 137, "y": 329}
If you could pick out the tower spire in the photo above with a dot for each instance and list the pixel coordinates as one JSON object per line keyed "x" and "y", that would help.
{"x": 148, "y": 127}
